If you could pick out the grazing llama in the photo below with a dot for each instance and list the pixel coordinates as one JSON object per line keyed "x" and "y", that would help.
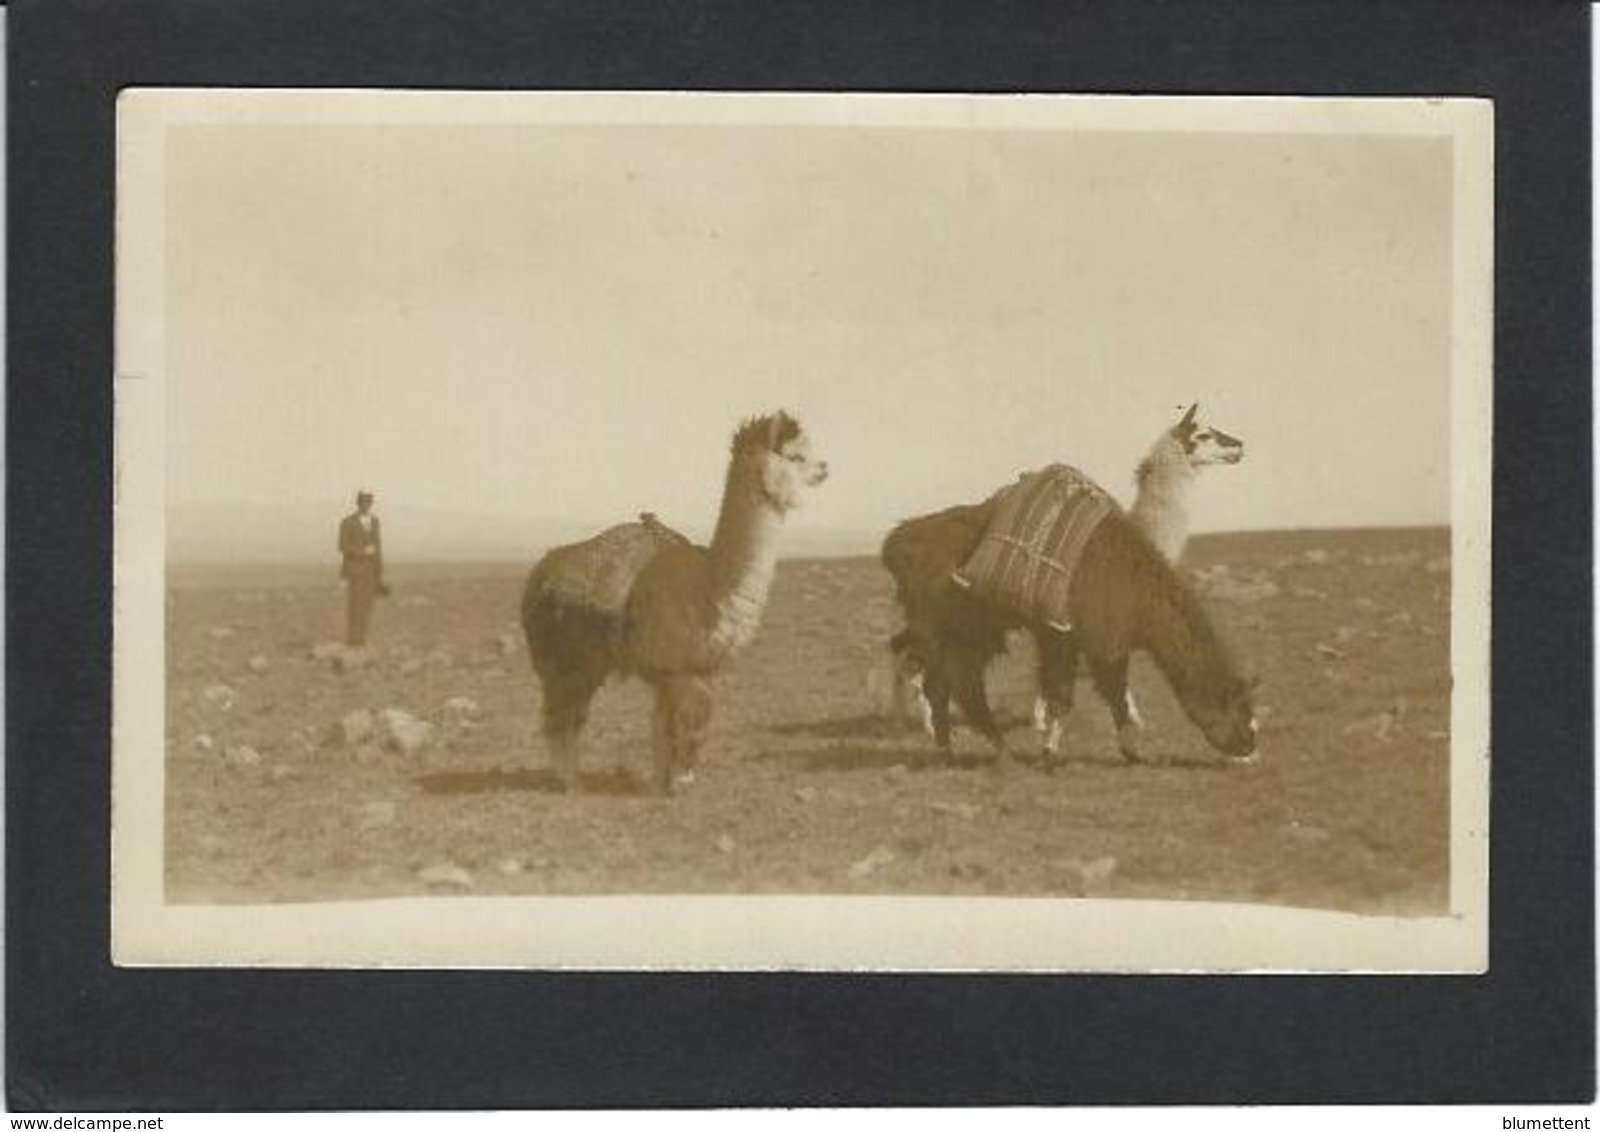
{"x": 1125, "y": 597}
{"x": 922, "y": 553}
{"x": 679, "y": 612}
{"x": 1161, "y": 510}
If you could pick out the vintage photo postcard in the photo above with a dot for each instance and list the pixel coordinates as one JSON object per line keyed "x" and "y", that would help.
{"x": 802, "y": 532}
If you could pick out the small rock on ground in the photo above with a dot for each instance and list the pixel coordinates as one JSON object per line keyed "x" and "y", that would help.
{"x": 374, "y": 814}
{"x": 445, "y": 876}
{"x": 404, "y": 732}
{"x": 872, "y": 862}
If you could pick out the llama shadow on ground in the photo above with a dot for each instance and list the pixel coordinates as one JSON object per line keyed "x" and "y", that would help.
{"x": 543, "y": 780}
{"x": 866, "y": 726}
{"x": 915, "y": 760}
{"x": 849, "y": 757}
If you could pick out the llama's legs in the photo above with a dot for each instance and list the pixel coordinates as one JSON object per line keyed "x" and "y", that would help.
{"x": 967, "y": 682}
{"x": 566, "y": 710}
{"x": 1058, "y": 673}
{"x": 936, "y": 687}
{"x": 692, "y": 719}
{"x": 1111, "y": 679}
{"x": 682, "y": 715}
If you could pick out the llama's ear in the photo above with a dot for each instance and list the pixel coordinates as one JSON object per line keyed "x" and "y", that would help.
{"x": 781, "y": 428}
{"x": 1186, "y": 425}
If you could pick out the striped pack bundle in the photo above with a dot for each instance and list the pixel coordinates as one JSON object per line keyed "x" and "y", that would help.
{"x": 1027, "y": 556}
{"x": 599, "y": 572}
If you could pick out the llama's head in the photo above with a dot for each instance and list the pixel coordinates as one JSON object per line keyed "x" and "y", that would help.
{"x": 779, "y": 453}
{"x": 1202, "y": 445}
{"x": 1227, "y": 717}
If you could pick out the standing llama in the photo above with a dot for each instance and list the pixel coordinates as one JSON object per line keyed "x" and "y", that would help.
{"x": 640, "y": 599}
{"x": 921, "y": 554}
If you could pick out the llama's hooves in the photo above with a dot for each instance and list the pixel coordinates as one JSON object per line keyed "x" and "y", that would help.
{"x": 1128, "y": 743}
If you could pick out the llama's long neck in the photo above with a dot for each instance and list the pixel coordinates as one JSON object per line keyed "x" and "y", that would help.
{"x": 1174, "y": 629}
{"x": 1161, "y": 508}
{"x": 744, "y": 556}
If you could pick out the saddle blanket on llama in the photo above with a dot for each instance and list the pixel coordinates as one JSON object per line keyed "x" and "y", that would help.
{"x": 1031, "y": 548}
{"x": 599, "y": 572}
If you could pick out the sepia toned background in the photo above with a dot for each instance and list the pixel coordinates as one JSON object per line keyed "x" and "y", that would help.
{"x": 515, "y": 332}
{"x": 521, "y": 318}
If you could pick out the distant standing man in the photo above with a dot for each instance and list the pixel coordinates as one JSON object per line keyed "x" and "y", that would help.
{"x": 361, "y": 547}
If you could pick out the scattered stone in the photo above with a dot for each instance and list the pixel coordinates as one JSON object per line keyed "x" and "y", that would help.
{"x": 1221, "y": 583}
{"x": 412, "y": 666}
{"x": 257, "y": 664}
{"x": 461, "y": 705}
{"x": 379, "y": 813}
{"x": 1401, "y": 618}
{"x": 1345, "y": 633}
{"x": 1439, "y": 736}
{"x": 1364, "y": 603}
{"x": 204, "y": 744}
{"x": 445, "y": 876}
{"x": 964, "y": 810}
{"x": 279, "y": 772}
{"x": 872, "y": 862}
{"x": 1308, "y": 593}
{"x": 1380, "y": 726}
{"x": 327, "y": 650}
{"x": 805, "y": 794}
{"x": 404, "y": 732}
{"x": 241, "y": 755}
{"x": 416, "y": 601}
{"x": 1330, "y": 652}
{"x": 1440, "y": 565}
{"x": 899, "y": 770}
{"x": 220, "y": 632}
{"x": 1314, "y": 834}
{"x": 505, "y": 644}
{"x": 1403, "y": 558}
{"x": 356, "y": 727}
{"x": 510, "y": 866}
{"x": 219, "y": 695}
{"x": 348, "y": 660}
{"x": 725, "y": 844}
{"x": 1316, "y": 557}
{"x": 1093, "y": 872}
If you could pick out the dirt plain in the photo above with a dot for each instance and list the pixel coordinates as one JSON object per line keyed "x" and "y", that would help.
{"x": 278, "y": 789}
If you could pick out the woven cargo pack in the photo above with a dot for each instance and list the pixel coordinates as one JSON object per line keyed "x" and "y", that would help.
{"x": 599, "y": 572}
{"x": 1027, "y": 556}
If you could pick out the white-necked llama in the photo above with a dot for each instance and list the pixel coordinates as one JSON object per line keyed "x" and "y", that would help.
{"x": 922, "y": 553}
{"x": 674, "y": 613}
{"x": 1163, "y": 482}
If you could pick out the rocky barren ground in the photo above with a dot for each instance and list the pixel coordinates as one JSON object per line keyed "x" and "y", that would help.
{"x": 293, "y": 774}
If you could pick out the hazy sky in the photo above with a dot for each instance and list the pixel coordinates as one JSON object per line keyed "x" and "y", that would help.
{"x": 522, "y": 324}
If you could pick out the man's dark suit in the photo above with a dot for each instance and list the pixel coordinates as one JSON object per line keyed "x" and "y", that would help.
{"x": 362, "y": 570}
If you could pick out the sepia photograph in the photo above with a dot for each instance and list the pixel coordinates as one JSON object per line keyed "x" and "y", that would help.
{"x": 802, "y": 531}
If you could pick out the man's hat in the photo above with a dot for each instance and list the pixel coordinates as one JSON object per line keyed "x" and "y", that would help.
{"x": 363, "y": 496}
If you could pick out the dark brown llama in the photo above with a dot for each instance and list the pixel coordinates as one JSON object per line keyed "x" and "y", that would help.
{"x": 1125, "y": 596}
{"x": 639, "y": 599}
